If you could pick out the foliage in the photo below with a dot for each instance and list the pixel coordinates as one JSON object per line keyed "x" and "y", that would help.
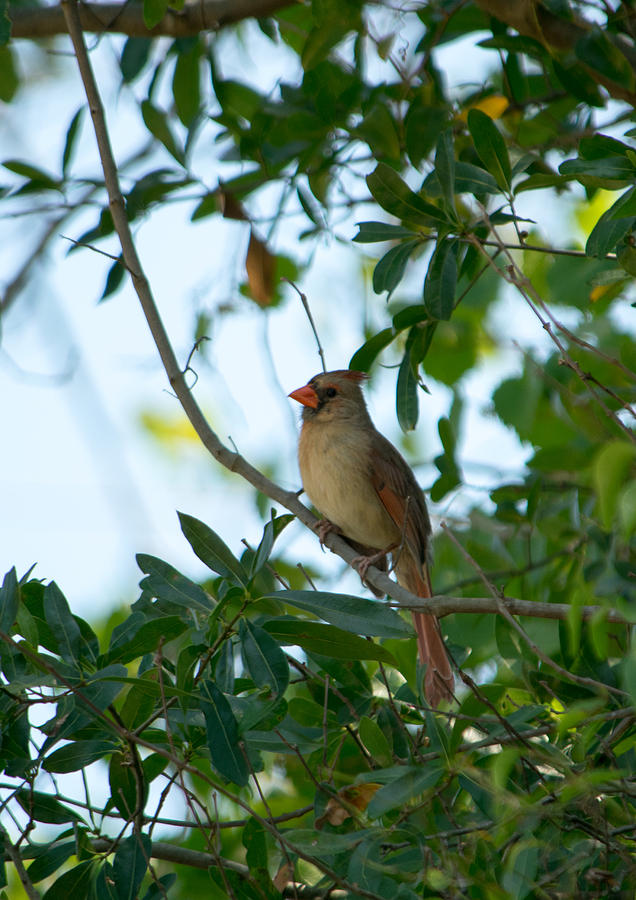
{"x": 285, "y": 725}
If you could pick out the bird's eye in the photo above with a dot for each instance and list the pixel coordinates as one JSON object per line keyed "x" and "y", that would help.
{"x": 331, "y": 392}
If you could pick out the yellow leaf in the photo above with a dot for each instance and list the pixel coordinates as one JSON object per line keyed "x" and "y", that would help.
{"x": 599, "y": 291}
{"x": 494, "y": 106}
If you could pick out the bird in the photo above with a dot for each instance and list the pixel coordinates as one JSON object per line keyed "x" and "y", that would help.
{"x": 366, "y": 491}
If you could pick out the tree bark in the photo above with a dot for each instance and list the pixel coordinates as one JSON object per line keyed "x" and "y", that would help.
{"x": 128, "y": 19}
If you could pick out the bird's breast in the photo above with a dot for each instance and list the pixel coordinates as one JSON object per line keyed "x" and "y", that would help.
{"x": 335, "y": 466}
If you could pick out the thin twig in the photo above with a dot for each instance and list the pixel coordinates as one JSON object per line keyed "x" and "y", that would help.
{"x": 305, "y": 303}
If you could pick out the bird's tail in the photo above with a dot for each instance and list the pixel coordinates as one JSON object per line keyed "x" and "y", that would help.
{"x": 438, "y": 680}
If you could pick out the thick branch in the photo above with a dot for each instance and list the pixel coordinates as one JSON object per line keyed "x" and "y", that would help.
{"x": 128, "y": 18}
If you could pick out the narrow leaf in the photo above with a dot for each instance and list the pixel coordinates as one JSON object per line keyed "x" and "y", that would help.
{"x": 441, "y": 280}
{"x": 223, "y": 736}
{"x": 211, "y": 550}
{"x": 396, "y": 197}
{"x": 371, "y": 232}
{"x": 356, "y": 614}
{"x": 490, "y": 147}
{"x": 130, "y": 864}
{"x": 406, "y": 399}
{"x": 166, "y": 583}
{"x": 390, "y": 268}
{"x": 263, "y": 658}
{"x": 327, "y": 640}
{"x": 9, "y": 601}
{"x": 61, "y": 622}
{"x": 365, "y": 355}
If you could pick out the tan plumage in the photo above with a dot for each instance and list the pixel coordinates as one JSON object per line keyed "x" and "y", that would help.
{"x": 363, "y": 486}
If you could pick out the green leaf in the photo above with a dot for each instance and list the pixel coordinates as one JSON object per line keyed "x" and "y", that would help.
{"x": 263, "y": 658}
{"x": 124, "y": 785}
{"x": 38, "y": 177}
{"x": 186, "y": 82}
{"x": 76, "y": 755}
{"x": 611, "y": 472}
{"x": 405, "y": 789}
{"x": 597, "y": 51}
{"x": 9, "y": 78}
{"x": 166, "y": 583}
{"x": 52, "y": 857}
{"x": 5, "y": 29}
{"x": 521, "y": 870}
{"x": 64, "y": 627}
{"x": 364, "y": 356}
{"x": 71, "y": 139}
{"x": 397, "y": 198}
{"x": 114, "y": 279}
{"x": 156, "y": 122}
{"x": 76, "y": 882}
{"x": 375, "y": 741}
{"x": 371, "y": 232}
{"x": 326, "y": 640}
{"x": 441, "y": 280}
{"x": 254, "y": 840}
{"x": 356, "y": 614}
{"x": 134, "y": 57}
{"x": 271, "y": 531}
{"x": 445, "y": 168}
{"x": 223, "y": 735}
{"x": 378, "y": 130}
{"x": 130, "y": 864}
{"x": 45, "y": 808}
{"x": 390, "y": 268}
{"x": 470, "y": 179}
{"x": 211, "y": 550}
{"x": 490, "y": 147}
{"x": 154, "y": 11}
{"x": 207, "y": 206}
{"x": 406, "y": 399}
{"x": 9, "y": 601}
{"x": 611, "y": 172}
{"x": 136, "y": 636}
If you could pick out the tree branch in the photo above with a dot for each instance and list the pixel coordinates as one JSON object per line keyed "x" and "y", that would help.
{"x": 441, "y": 605}
{"x": 128, "y": 18}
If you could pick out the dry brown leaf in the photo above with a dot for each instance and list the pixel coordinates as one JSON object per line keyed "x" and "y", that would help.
{"x": 342, "y": 806}
{"x": 260, "y": 265}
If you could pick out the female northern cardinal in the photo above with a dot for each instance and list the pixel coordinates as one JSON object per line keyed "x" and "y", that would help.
{"x": 359, "y": 481}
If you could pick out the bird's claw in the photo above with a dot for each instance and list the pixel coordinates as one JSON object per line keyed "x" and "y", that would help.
{"x": 362, "y": 563}
{"x": 325, "y": 527}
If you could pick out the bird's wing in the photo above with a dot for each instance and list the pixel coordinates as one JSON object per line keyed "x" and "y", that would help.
{"x": 401, "y": 496}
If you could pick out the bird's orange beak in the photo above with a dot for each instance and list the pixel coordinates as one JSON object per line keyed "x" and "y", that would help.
{"x": 305, "y": 395}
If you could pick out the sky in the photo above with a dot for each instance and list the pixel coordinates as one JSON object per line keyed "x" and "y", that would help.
{"x": 83, "y": 486}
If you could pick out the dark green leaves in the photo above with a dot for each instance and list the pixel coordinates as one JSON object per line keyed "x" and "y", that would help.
{"x": 211, "y": 550}
{"x": 390, "y": 269}
{"x": 406, "y": 403}
{"x": 9, "y": 601}
{"x": 348, "y": 612}
{"x": 441, "y": 280}
{"x": 130, "y": 864}
{"x": 223, "y": 737}
{"x": 62, "y": 624}
{"x": 394, "y": 195}
{"x": 263, "y": 658}
{"x": 490, "y": 147}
